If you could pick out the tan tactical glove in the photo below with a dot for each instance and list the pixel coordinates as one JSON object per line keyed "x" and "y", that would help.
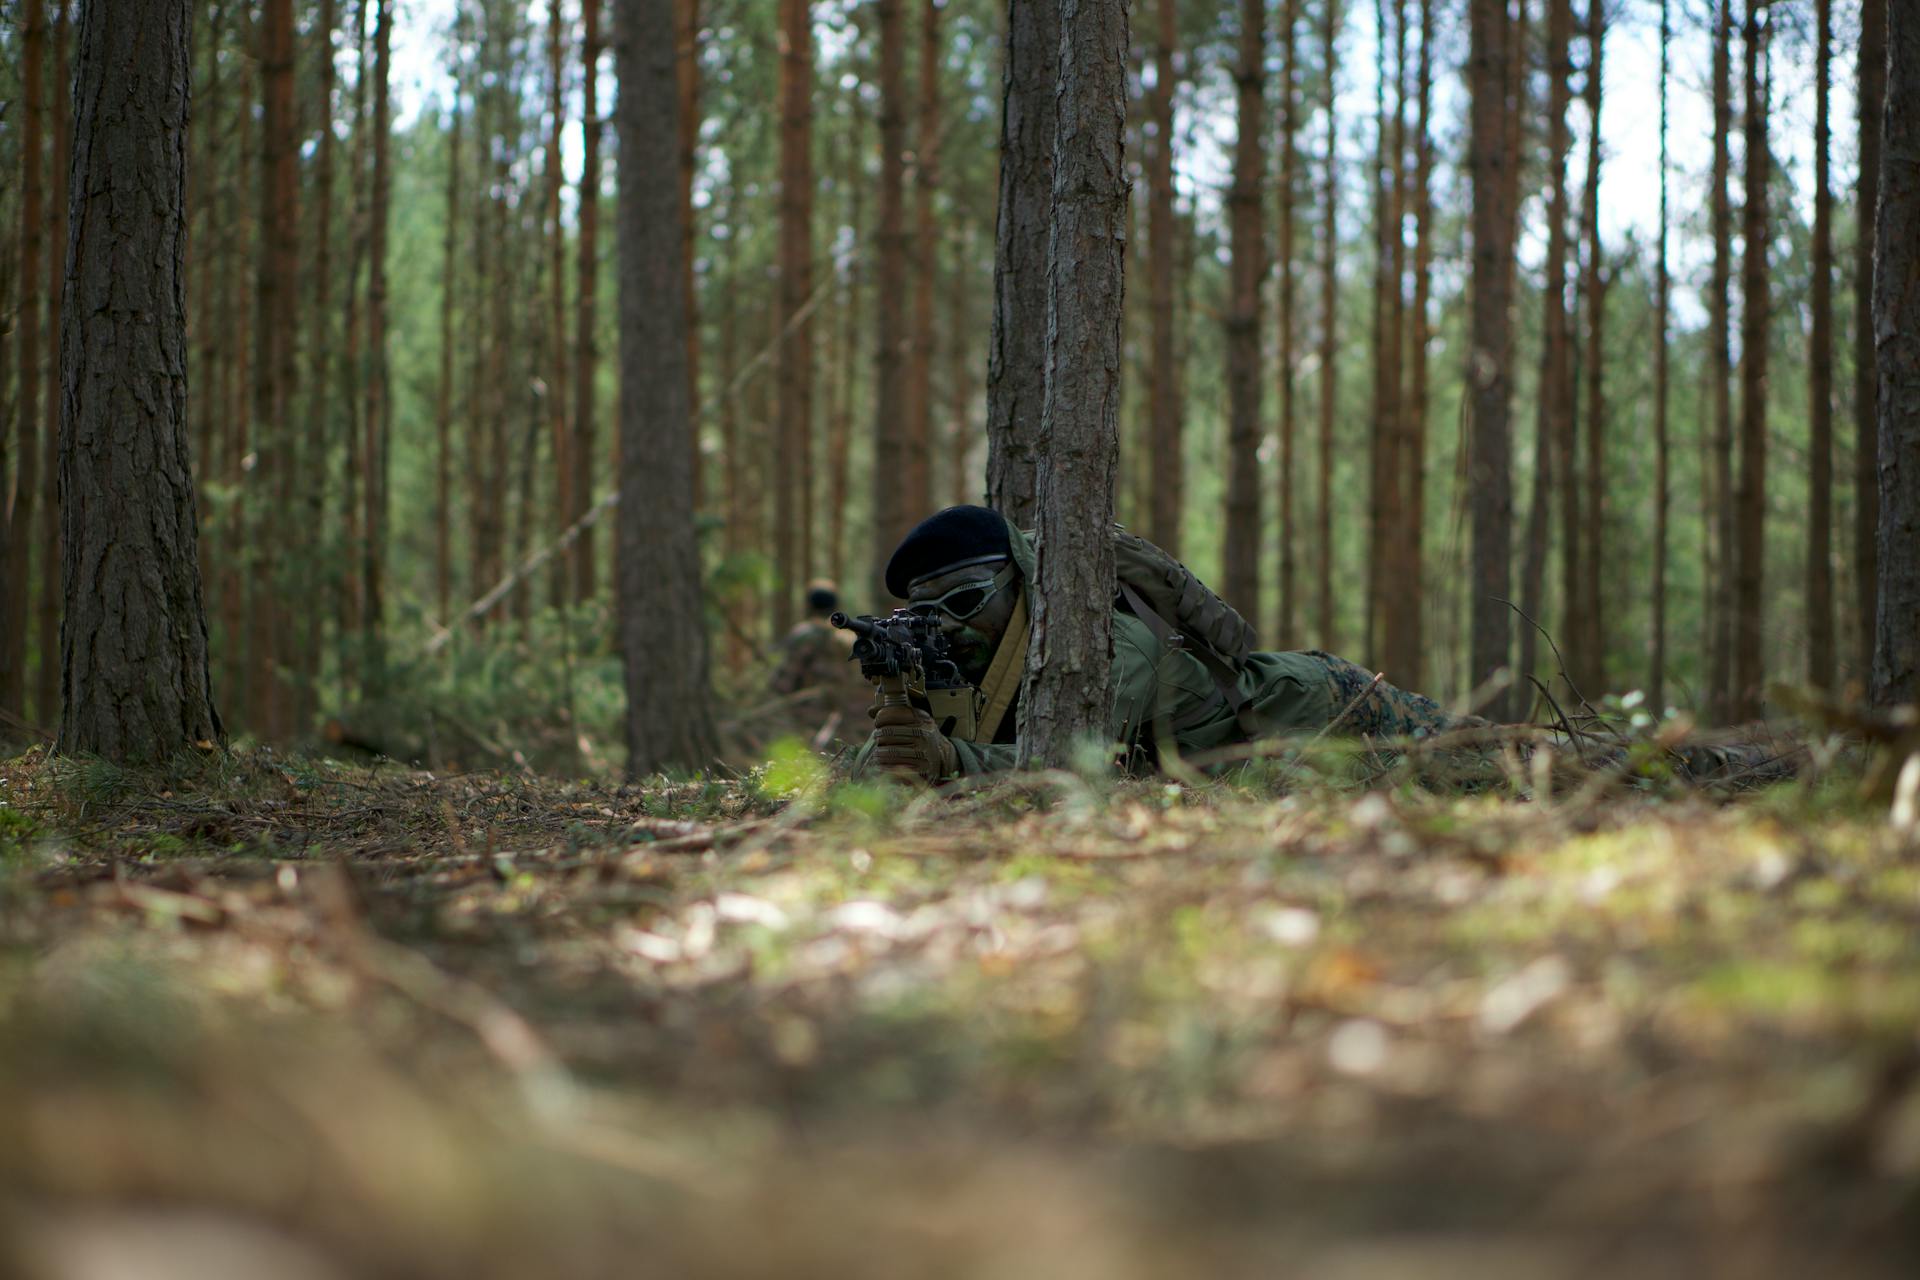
{"x": 908, "y": 744}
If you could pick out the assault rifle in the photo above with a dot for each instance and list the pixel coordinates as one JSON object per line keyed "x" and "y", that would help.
{"x": 906, "y": 656}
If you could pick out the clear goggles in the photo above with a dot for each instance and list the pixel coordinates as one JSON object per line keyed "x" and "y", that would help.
{"x": 964, "y": 601}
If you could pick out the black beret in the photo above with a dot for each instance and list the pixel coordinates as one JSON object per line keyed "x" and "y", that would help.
{"x": 822, "y": 598}
{"x": 947, "y": 538}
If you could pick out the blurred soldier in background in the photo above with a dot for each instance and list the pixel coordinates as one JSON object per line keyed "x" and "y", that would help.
{"x": 823, "y": 695}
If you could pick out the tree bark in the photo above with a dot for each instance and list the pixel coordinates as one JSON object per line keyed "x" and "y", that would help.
{"x": 1163, "y": 389}
{"x": 663, "y": 637}
{"x": 586, "y": 344}
{"x": 1749, "y": 674}
{"x": 1489, "y": 467}
{"x": 840, "y": 429}
{"x": 1820, "y": 378}
{"x": 1662, "y": 466}
{"x": 686, "y": 66}
{"x": 793, "y": 432}
{"x": 1871, "y": 101}
{"x": 924, "y": 251}
{"x": 1720, "y": 589}
{"x": 893, "y": 512}
{"x": 443, "y": 404}
{"x": 379, "y": 435}
{"x": 275, "y": 274}
{"x": 1592, "y": 640}
{"x": 135, "y": 685}
{"x": 1414, "y": 483}
{"x": 556, "y": 362}
{"x": 1329, "y": 330}
{"x": 1016, "y": 363}
{"x": 1067, "y": 692}
{"x": 1286, "y": 613}
{"x": 47, "y": 689}
{"x": 1241, "y": 553}
{"x": 1896, "y": 336}
{"x": 321, "y": 353}
{"x": 30, "y": 350}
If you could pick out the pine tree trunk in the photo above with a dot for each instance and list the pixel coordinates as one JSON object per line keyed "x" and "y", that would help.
{"x": 1662, "y": 466}
{"x": 1719, "y": 303}
{"x": 443, "y": 403}
{"x": 555, "y": 349}
{"x": 840, "y": 429}
{"x": 1896, "y": 331}
{"x": 275, "y": 278}
{"x": 1329, "y": 331}
{"x": 321, "y": 353}
{"x": 686, "y": 67}
{"x": 793, "y": 433}
{"x": 1067, "y": 692}
{"x": 1553, "y": 437}
{"x": 963, "y": 486}
{"x": 663, "y": 637}
{"x": 926, "y": 175}
{"x": 1163, "y": 390}
{"x": 47, "y": 691}
{"x": 892, "y": 513}
{"x": 586, "y": 347}
{"x": 1016, "y": 365}
{"x": 1286, "y": 614}
{"x": 378, "y": 430}
{"x": 1820, "y": 671}
{"x": 1749, "y": 673}
{"x": 134, "y": 674}
{"x": 1870, "y": 101}
{"x": 1414, "y": 484}
{"x": 1241, "y": 554}
{"x": 1490, "y": 437}
{"x": 14, "y": 610}
{"x": 1591, "y": 641}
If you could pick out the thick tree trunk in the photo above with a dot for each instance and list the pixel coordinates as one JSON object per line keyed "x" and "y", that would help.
{"x": 1749, "y": 674}
{"x": 14, "y": 611}
{"x": 47, "y": 688}
{"x": 1720, "y": 322}
{"x": 1489, "y": 468}
{"x": 1016, "y": 363}
{"x": 1286, "y": 614}
{"x": 1866, "y": 378}
{"x": 893, "y": 512}
{"x": 1329, "y": 331}
{"x": 135, "y": 686}
{"x": 1592, "y": 639}
{"x": 1896, "y": 336}
{"x": 793, "y": 433}
{"x": 663, "y": 636}
{"x": 1241, "y": 554}
{"x": 1068, "y": 690}
{"x": 686, "y": 70}
{"x": 1662, "y": 466}
{"x": 1163, "y": 388}
{"x": 586, "y": 345}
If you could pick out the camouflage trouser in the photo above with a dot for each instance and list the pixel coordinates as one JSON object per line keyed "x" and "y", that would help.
{"x": 1381, "y": 710}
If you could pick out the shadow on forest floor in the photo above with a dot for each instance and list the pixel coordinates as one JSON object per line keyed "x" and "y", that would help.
{"x": 275, "y": 1015}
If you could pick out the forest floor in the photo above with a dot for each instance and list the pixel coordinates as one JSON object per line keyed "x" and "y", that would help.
{"x": 277, "y": 1015}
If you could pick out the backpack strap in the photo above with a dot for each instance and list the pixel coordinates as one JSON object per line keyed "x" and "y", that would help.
{"x": 1224, "y": 678}
{"x": 1003, "y": 673}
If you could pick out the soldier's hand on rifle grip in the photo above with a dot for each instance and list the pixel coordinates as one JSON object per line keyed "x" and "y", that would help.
{"x": 907, "y": 743}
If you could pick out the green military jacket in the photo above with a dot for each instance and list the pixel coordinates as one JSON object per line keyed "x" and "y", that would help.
{"x": 1161, "y": 693}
